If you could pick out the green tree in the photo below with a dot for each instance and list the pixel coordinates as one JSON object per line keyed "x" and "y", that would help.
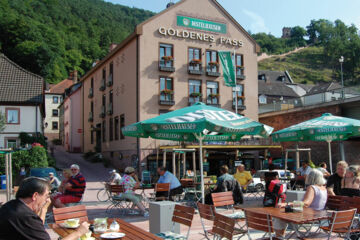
{"x": 297, "y": 35}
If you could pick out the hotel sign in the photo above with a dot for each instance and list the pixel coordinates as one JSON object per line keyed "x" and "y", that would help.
{"x": 201, "y": 24}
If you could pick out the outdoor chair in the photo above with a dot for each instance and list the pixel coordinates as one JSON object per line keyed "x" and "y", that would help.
{"x": 340, "y": 223}
{"x": 259, "y": 221}
{"x": 63, "y": 214}
{"x": 206, "y": 212}
{"x": 336, "y": 203}
{"x": 223, "y": 227}
{"x": 161, "y": 187}
{"x": 190, "y": 191}
{"x": 116, "y": 200}
{"x": 182, "y": 215}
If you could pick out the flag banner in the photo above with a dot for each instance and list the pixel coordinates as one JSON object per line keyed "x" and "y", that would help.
{"x": 228, "y": 68}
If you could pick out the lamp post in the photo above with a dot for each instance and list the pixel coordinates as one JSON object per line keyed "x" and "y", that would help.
{"x": 341, "y": 60}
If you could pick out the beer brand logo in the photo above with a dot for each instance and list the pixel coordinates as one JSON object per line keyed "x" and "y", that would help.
{"x": 186, "y": 22}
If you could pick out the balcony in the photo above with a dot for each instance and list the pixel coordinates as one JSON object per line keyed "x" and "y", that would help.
{"x": 193, "y": 100}
{"x": 213, "y": 70}
{"x": 110, "y": 109}
{"x": 102, "y": 112}
{"x": 195, "y": 67}
{"x": 91, "y": 117}
{"x": 167, "y": 97}
{"x": 240, "y": 73}
{"x": 166, "y": 64}
{"x": 102, "y": 85}
{"x": 91, "y": 93}
{"x": 218, "y": 105}
{"x": 239, "y": 107}
{"x": 110, "y": 80}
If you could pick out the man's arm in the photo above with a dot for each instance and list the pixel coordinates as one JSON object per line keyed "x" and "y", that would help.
{"x": 84, "y": 228}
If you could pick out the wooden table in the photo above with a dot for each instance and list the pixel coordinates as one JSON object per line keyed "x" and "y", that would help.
{"x": 296, "y": 219}
{"x": 132, "y": 232}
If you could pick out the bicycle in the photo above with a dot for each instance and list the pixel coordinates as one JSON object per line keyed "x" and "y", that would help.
{"x": 103, "y": 195}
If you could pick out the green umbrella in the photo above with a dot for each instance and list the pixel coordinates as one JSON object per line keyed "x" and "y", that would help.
{"x": 198, "y": 122}
{"x": 325, "y": 128}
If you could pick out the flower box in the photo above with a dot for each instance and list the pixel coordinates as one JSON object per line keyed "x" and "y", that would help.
{"x": 167, "y": 58}
{"x": 213, "y": 95}
{"x": 167, "y": 91}
{"x": 195, "y": 94}
{"x": 213, "y": 64}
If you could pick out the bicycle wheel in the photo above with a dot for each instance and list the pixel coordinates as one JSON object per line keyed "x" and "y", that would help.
{"x": 103, "y": 195}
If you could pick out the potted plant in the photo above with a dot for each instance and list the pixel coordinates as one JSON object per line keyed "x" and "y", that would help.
{"x": 167, "y": 58}
{"x": 167, "y": 91}
{"x": 195, "y": 62}
{"x": 214, "y": 95}
{"x": 195, "y": 94}
{"x": 213, "y": 64}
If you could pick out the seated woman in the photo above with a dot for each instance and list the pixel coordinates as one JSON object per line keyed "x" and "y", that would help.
{"x": 315, "y": 198}
{"x": 61, "y": 189}
{"x": 350, "y": 184}
{"x": 130, "y": 183}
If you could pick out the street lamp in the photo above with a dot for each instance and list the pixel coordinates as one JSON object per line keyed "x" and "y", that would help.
{"x": 341, "y": 60}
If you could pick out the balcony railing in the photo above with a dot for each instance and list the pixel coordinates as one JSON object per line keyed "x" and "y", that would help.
{"x": 102, "y": 112}
{"x": 167, "y": 65}
{"x": 102, "y": 85}
{"x": 212, "y": 70}
{"x": 193, "y": 100}
{"x": 110, "y": 109}
{"x": 239, "y": 107}
{"x": 110, "y": 80}
{"x": 91, "y": 117}
{"x": 195, "y": 68}
{"x": 91, "y": 93}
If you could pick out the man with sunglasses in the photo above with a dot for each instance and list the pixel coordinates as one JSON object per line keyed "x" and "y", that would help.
{"x": 24, "y": 217}
{"x": 74, "y": 189}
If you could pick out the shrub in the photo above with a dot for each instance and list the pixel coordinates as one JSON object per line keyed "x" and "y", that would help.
{"x": 25, "y": 138}
{"x": 51, "y": 161}
{"x": 56, "y": 141}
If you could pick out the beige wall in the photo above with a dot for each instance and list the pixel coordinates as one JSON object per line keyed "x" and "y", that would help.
{"x": 149, "y": 56}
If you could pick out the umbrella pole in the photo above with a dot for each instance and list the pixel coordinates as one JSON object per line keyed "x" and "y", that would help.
{"x": 200, "y": 138}
{"x": 286, "y": 160}
{"x": 297, "y": 156}
{"x": 342, "y": 151}
{"x": 194, "y": 165}
{"x": 184, "y": 166}
{"x": 330, "y": 158}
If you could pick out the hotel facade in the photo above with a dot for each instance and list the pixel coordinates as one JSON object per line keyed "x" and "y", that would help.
{"x": 170, "y": 61}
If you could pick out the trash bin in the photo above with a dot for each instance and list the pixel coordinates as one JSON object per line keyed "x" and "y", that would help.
{"x": 3, "y": 181}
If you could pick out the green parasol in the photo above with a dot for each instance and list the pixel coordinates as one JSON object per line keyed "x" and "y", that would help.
{"x": 325, "y": 128}
{"x": 198, "y": 122}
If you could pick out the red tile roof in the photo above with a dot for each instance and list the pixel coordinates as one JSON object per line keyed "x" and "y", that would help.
{"x": 61, "y": 86}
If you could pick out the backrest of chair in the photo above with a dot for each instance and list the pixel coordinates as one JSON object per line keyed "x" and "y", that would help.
{"x": 354, "y": 202}
{"x": 116, "y": 189}
{"x": 162, "y": 187}
{"x": 259, "y": 221}
{"x": 206, "y": 211}
{"x": 335, "y": 203}
{"x": 183, "y": 215}
{"x": 223, "y": 226}
{"x": 342, "y": 219}
{"x": 222, "y": 199}
{"x": 63, "y": 214}
{"x": 187, "y": 183}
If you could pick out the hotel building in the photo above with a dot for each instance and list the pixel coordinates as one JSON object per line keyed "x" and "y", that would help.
{"x": 170, "y": 61}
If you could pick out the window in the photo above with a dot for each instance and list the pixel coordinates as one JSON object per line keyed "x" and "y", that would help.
{"x": 104, "y": 73}
{"x": 239, "y": 95}
{"x": 195, "y": 91}
{"x": 195, "y": 59}
{"x": 91, "y": 135}
{"x": 12, "y": 115}
{"x": 111, "y": 129}
{"x": 55, "y": 113}
{"x": 262, "y": 99}
{"x": 116, "y": 128}
{"x": 55, "y": 125}
{"x": 239, "y": 62}
{"x": 212, "y": 92}
{"x": 111, "y": 71}
{"x": 111, "y": 96}
{"x": 166, "y": 55}
{"x": 104, "y": 131}
{"x": 55, "y": 99}
{"x": 104, "y": 102}
{"x": 92, "y": 107}
{"x": 166, "y": 89}
{"x": 11, "y": 143}
{"x": 92, "y": 83}
{"x": 122, "y": 124}
{"x": 212, "y": 61}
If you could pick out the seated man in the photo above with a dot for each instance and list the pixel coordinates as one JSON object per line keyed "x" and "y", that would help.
{"x": 168, "y": 177}
{"x": 54, "y": 182}
{"x": 270, "y": 175}
{"x": 74, "y": 189}
{"x": 243, "y": 177}
{"x": 302, "y": 173}
{"x": 23, "y": 218}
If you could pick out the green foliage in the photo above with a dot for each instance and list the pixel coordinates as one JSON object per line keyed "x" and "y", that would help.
{"x": 52, "y": 38}
{"x": 2, "y": 121}
{"x": 25, "y": 138}
{"x": 56, "y": 141}
{"x": 51, "y": 161}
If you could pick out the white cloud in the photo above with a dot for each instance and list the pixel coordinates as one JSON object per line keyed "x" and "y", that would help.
{"x": 257, "y": 23}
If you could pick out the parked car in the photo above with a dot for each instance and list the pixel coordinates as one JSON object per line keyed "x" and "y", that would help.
{"x": 258, "y": 183}
{"x": 42, "y": 172}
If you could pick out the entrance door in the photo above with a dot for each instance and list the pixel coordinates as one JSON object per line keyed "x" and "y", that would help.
{"x": 98, "y": 138}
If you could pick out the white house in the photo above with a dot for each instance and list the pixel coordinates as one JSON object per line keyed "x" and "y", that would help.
{"x": 21, "y": 100}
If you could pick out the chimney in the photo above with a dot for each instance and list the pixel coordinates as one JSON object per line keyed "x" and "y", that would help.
{"x": 74, "y": 76}
{"x": 112, "y": 46}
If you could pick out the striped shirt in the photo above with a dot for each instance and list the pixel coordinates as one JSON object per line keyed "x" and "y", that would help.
{"x": 78, "y": 185}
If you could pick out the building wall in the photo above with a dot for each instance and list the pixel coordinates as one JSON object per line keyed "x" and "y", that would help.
{"x": 49, "y": 132}
{"x": 30, "y": 121}
{"x": 149, "y": 57}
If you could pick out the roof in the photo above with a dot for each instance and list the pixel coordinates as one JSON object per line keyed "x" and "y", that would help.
{"x": 60, "y": 87}
{"x": 274, "y": 76}
{"x": 325, "y": 87}
{"x": 18, "y": 85}
{"x": 276, "y": 89}
{"x": 138, "y": 31}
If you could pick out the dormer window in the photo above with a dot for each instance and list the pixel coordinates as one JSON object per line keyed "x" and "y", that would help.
{"x": 262, "y": 77}
{"x": 281, "y": 78}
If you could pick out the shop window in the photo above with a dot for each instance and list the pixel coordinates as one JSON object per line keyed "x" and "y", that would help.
{"x": 166, "y": 89}
{"x": 55, "y": 125}
{"x": 166, "y": 55}
{"x": 212, "y": 61}
{"x": 195, "y": 91}
{"x": 12, "y": 115}
{"x": 212, "y": 92}
{"x": 55, "y": 113}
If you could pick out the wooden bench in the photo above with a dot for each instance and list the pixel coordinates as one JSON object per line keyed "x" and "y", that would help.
{"x": 63, "y": 214}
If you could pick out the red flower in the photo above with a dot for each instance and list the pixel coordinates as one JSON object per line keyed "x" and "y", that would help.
{"x": 36, "y": 145}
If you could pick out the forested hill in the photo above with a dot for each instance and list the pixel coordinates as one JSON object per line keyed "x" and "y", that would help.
{"x": 53, "y": 37}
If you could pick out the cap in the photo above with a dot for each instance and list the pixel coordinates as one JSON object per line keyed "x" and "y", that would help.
{"x": 112, "y": 171}
{"x": 129, "y": 170}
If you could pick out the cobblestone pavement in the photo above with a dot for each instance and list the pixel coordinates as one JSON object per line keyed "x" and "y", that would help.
{"x": 95, "y": 173}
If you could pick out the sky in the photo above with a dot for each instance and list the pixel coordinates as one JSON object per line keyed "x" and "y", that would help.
{"x": 270, "y": 16}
